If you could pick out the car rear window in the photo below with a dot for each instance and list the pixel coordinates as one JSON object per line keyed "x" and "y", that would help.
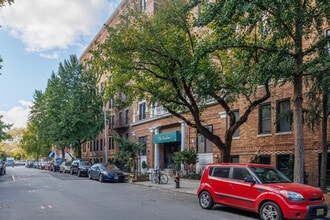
{"x": 220, "y": 172}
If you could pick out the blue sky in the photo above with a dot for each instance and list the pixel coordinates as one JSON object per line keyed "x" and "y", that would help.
{"x": 35, "y": 36}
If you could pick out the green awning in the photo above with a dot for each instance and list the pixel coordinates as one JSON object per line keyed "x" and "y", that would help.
{"x": 174, "y": 136}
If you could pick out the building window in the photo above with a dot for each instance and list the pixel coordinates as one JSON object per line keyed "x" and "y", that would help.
{"x": 101, "y": 145}
{"x": 120, "y": 118}
{"x": 236, "y": 133}
{"x": 283, "y": 163}
{"x": 143, "y": 140}
{"x": 204, "y": 145}
{"x": 126, "y": 117}
{"x": 264, "y": 159}
{"x": 327, "y": 33}
{"x": 265, "y": 119}
{"x": 97, "y": 145}
{"x": 283, "y": 116}
{"x": 90, "y": 146}
{"x": 142, "y": 110}
{"x": 143, "y": 4}
{"x": 234, "y": 159}
{"x": 111, "y": 143}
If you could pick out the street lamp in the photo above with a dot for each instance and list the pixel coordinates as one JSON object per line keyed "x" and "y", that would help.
{"x": 105, "y": 119}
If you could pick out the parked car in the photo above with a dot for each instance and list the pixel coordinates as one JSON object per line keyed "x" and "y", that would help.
{"x": 43, "y": 165}
{"x": 65, "y": 167}
{"x": 55, "y": 164}
{"x": 36, "y": 164}
{"x": 80, "y": 167}
{"x": 2, "y": 167}
{"x": 108, "y": 172}
{"x": 29, "y": 164}
{"x": 259, "y": 188}
{"x": 48, "y": 165}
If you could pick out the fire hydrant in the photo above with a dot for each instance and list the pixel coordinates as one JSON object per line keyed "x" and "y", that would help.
{"x": 177, "y": 180}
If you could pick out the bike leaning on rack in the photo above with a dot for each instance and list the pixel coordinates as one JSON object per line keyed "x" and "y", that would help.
{"x": 158, "y": 177}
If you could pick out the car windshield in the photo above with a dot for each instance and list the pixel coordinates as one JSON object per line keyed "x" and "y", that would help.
{"x": 85, "y": 163}
{"x": 110, "y": 167}
{"x": 269, "y": 175}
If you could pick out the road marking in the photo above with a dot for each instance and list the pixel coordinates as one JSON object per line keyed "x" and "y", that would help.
{"x": 12, "y": 176}
{"x": 44, "y": 207}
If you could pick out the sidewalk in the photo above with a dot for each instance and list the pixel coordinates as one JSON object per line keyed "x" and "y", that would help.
{"x": 186, "y": 185}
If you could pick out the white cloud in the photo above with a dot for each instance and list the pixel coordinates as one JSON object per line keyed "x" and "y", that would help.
{"x": 18, "y": 116}
{"x": 44, "y": 26}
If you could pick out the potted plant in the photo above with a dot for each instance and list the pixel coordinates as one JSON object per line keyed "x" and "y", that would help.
{"x": 144, "y": 167}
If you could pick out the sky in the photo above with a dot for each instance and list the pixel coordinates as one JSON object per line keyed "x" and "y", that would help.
{"x": 35, "y": 37}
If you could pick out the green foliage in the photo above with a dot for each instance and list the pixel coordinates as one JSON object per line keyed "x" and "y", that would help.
{"x": 188, "y": 157}
{"x": 144, "y": 164}
{"x": 33, "y": 145}
{"x": 288, "y": 34}
{"x": 3, "y": 2}
{"x": 4, "y": 130}
{"x": 128, "y": 152}
{"x": 163, "y": 59}
{"x": 69, "y": 112}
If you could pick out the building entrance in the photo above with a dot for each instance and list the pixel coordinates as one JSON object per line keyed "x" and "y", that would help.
{"x": 169, "y": 150}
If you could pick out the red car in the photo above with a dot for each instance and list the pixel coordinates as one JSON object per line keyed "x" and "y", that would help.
{"x": 259, "y": 188}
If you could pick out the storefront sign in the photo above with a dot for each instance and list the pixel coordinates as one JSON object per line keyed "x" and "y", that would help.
{"x": 174, "y": 136}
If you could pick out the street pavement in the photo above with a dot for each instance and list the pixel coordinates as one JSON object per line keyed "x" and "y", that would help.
{"x": 190, "y": 187}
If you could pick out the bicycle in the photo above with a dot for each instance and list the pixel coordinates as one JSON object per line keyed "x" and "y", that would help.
{"x": 158, "y": 177}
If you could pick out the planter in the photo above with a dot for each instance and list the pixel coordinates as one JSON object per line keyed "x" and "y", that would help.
{"x": 141, "y": 178}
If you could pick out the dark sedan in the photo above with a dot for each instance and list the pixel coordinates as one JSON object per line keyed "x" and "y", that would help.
{"x": 106, "y": 173}
{"x": 2, "y": 168}
{"x": 80, "y": 167}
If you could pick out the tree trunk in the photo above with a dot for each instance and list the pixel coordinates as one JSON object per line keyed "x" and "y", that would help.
{"x": 324, "y": 158}
{"x": 298, "y": 130}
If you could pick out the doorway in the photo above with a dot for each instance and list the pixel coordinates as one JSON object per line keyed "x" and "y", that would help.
{"x": 169, "y": 150}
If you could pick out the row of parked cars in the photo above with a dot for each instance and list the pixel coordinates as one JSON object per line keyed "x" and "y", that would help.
{"x": 98, "y": 171}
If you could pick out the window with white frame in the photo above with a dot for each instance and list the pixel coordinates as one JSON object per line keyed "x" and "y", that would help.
{"x": 236, "y": 133}
{"x": 283, "y": 116}
{"x": 143, "y": 4}
{"x": 142, "y": 110}
{"x": 265, "y": 119}
{"x": 327, "y": 33}
{"x": 204, "y": 145}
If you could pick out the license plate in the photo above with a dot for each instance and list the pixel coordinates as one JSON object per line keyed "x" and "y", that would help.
{"x": 116, "y": 177}
{"x": 319, "y": 211}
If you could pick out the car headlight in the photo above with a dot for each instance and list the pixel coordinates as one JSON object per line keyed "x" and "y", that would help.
{"x": 292, "y": 196}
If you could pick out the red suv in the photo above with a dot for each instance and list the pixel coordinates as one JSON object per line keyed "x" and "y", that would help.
{"x": 259, "y": 188}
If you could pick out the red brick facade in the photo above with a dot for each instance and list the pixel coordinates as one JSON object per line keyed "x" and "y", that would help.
{"x": 273, "y": 146}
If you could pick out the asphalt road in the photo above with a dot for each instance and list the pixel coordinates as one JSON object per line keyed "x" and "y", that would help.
{"x": 27, "y": 193}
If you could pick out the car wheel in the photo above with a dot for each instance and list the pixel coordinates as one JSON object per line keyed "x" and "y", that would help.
{"x": 205, "y": 200}
{"x": 101, "y": 178}
{"x": 270, "y": 211}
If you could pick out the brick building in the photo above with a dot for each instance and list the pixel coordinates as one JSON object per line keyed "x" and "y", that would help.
{"x": 263, "y": 135}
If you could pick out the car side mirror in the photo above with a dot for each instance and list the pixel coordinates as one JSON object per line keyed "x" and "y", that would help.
{"x": 249, "y": 179}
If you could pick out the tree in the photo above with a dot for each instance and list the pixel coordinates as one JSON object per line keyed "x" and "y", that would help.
{"x": 128, "y": 152}
{"x": 4, "y": 130}
{"x": 69, "y": 112}
{"x": 164, "y": 60}
{"x": 3, "y": 2}
{"x": 318, "y": 111}
{"x": 293, "y": 33}
{"x": 187, "y": 157}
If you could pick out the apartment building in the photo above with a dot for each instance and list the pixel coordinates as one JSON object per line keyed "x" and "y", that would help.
{"x": 264, "y": 135}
